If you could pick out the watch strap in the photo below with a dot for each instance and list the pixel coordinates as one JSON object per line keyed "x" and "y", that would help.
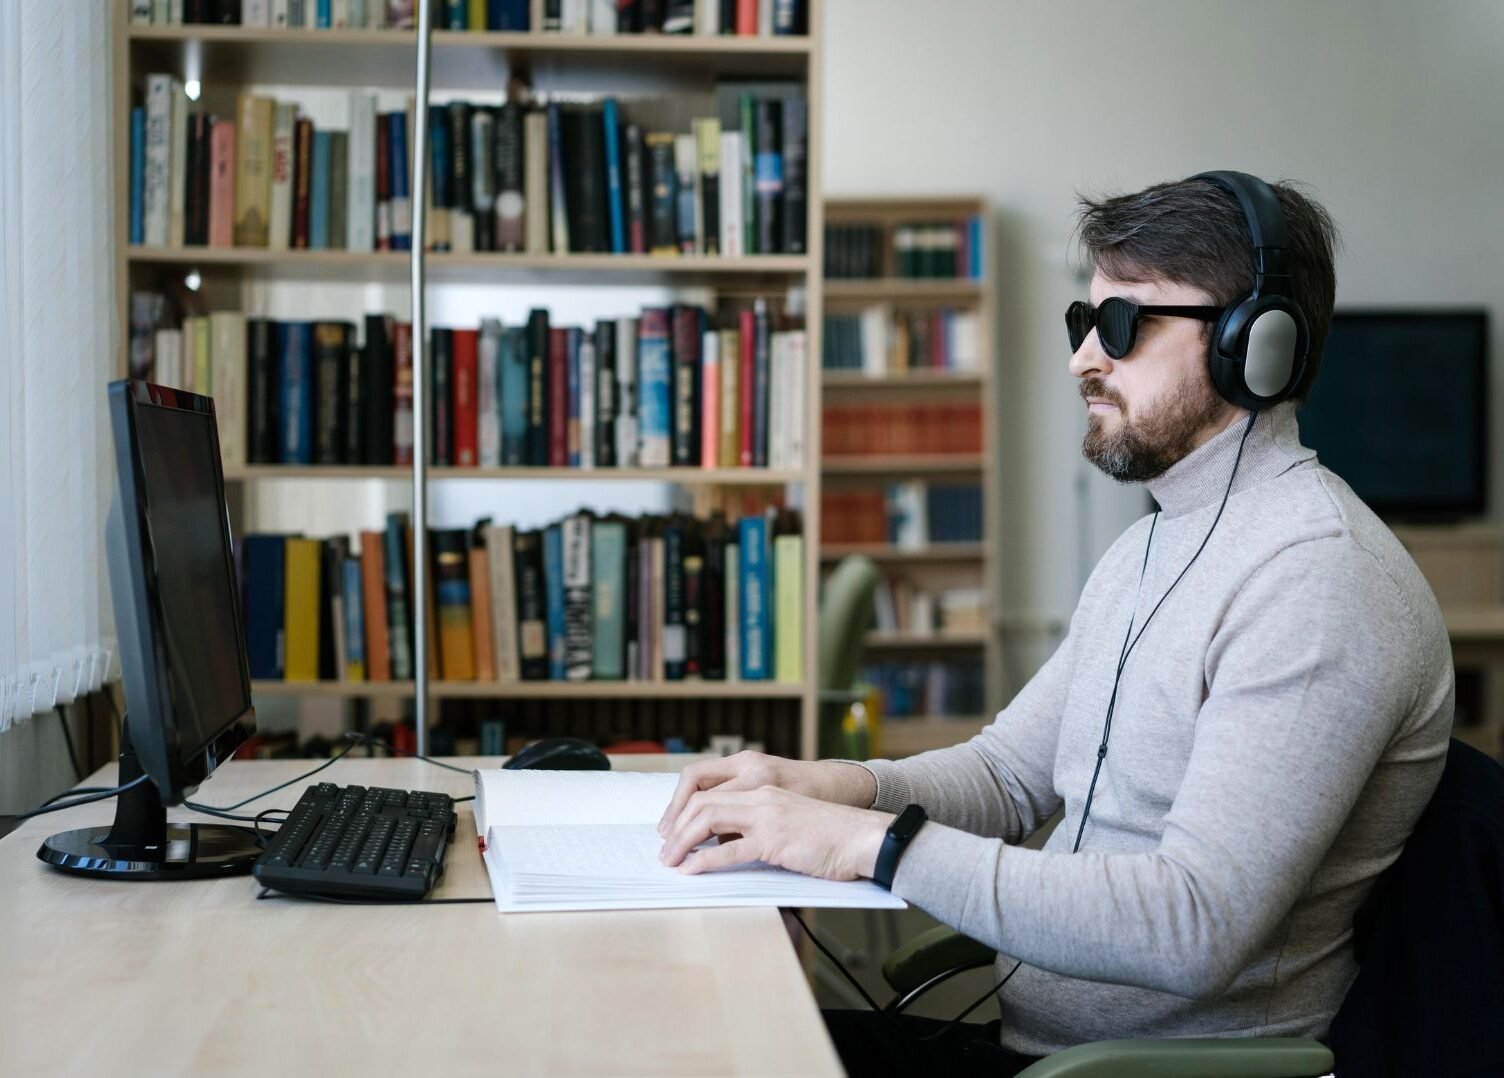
{"x": 900, "y": 833}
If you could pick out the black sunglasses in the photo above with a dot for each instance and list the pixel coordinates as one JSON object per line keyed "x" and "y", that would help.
{"x": 1116, "y": 322}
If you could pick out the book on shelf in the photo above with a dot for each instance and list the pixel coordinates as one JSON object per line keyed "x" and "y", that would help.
{"x": 593, "y": 177}
{"x": 926, "y": 427}
{"x": 903, "y": 606}
{"x": 589, "y": 841}
{"x": 933, "y": 687}
{"x": 909, "y": 515}
{"x": 555, "y": 603}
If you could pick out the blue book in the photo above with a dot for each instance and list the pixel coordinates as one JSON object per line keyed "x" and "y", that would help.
{"x": 613, "y": 179}
{"x": 138, "y": 174}
{"x": 456, "y": 15}
{"x": 973, "y": 268}
{"x": 559, "y": 218}
{"x": 513, "y": 396}
{"x": 325, "y": 17}
{"x": 507, "y": 15}
{"x": 265, "y": 592}
{"x": 402, "y": 219}
{"x": 553, "y": 587}
{"x": 398, "y": 618}
{"x": 318, "y": 190}
{"x": 438, "y": 156}
{"x": 572, "y": 366}
{"x": 355, "y": 622}
{"x": 654, "y": 387}
{"x": 295, "y": 379}
{"x": 757, "y": 597}
{"x": 608, "y": 584}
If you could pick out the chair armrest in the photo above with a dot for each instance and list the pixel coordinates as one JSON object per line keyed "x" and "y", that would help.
{"x": 1199, "y": 1057}
{"x": 932, "y": 953}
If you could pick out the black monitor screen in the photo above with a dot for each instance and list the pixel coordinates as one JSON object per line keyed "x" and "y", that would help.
{"x": 1399, "y": 410}
{"x": 195, "y": 577}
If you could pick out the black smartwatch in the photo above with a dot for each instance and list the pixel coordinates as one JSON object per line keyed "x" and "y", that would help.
{"x": 900, "y": 832}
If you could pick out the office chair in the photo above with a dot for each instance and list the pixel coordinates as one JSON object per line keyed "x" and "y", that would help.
{"x": 1430, "y": 944}
{"x": 846, "y": 602}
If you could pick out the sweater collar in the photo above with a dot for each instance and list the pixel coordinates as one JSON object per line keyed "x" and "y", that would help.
{"x": 1199, "y": 478}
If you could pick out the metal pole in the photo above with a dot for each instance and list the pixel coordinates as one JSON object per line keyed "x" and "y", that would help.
{"x": 419, "y": 172}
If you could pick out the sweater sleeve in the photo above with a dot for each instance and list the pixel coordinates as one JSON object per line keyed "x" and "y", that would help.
{"x": 1000, "y": 783}
{"x": 1314, "y": 666}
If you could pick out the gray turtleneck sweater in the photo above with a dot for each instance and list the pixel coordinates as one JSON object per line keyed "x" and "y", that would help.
{"x": 1278, "y": 730}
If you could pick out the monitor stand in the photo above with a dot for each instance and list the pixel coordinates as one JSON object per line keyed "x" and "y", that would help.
{"x": 142, "y": 845}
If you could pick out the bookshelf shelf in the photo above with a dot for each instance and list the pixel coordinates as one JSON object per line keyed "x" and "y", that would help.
{"x": 913, "y": 735}
{"x": 909, "y": 465}
{"x": 683, "y": 72}
{"x": 359, "y": 265}
{"x": 952, "y": 291}
{"x": 922, "y": 641}
{"x": 849, "y": 382}
{"x": 962, "y": 552}
{"x": 536, "y": 690}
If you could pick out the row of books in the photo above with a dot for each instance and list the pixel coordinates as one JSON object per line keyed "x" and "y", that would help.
{"x": 675, "y": 386}
{"x": 880, "y": 340}
{"x": 734, "y": 17}
{"x": 902, "y": 606}
{"x": 854, "y": 430}
{"x": 929, "y": 249}
{"x": 932, "y": 688}
{"x": 911, "y": 515}
{"x": 577, "y": 178}
{"x": 606, "y": 598}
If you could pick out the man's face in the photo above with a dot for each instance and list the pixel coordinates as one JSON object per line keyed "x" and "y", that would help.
{"x": 1155, "y": 405}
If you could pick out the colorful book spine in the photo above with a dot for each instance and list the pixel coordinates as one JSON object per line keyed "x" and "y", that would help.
{"x": 401, "y": 201}
{"x": 295, "y": 405}
{"x": 373, "y": 606}
{"x": 578, "y": 638}
{"x": 615, "y": 200}
{"x": 608, "y": 547}
{"x": 514, "y": 396}
{"x": 654, "y": 388}
{"x": 788, "y": 586}
{"x": 452, "y": 592}
{"x": 398, "y": 608}
{"x": 487, "y": 394}
{"x": 138, "y": 174}
{"x": 553, "y": 597}
{"x": 481, "y": 620}
{"x": 355, "y": 622}
{"x": 559, "y": 219}
{"x": 465, "y": 348}
{"x": 756, "y": 597}
{"x": 318, "y": 205}
{"x": 301, "y": 609}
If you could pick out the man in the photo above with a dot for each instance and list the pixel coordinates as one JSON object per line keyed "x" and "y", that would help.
{"x": 1246, "y": 718}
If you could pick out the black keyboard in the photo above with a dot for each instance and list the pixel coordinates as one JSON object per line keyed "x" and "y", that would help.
{"x": 355, "y": 842}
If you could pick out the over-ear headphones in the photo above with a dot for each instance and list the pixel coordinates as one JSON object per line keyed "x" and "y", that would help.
{"x": 1258, "y": 353}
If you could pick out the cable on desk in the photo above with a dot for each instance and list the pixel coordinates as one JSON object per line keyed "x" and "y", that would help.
{"x": 338, "y": 756}
{"x": 367, "y": 739}
{"x": 100, "y": 795}
{"x": 844, "y": 971}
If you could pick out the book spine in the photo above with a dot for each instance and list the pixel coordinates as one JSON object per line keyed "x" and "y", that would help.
{"x": 748, "y": 155}
{"x": 265, "y": 593}
{"x": 511, "y": 169}
{"x": 319, "y": 190}
{"x": 587, "y": 417}
{"x": 558, "y": 397}
{"x": 302, "y": 179}
{"x": 539, "y": 351}
{"x": 733, "y": 609}
{"x": 713, "y": 605}
{"x": 553, "y": 594}
{"x": 788, "y": 578}
{"x": 504, "y": 631}
{"x": 628, "y": 454}
{"x": 605, "y": 394}
{"x": 674, "y": 648}
{"x": 253, "y": 170}
{"x": 760, "y": 376}
{"x": 137, "y": 229}
{"x": 535, "y": 178}
{"x": 558, "y": 212}
{"x": 261, "y": 392}
{"x": 747, "y": 386}
{"x": 694, "y": 605}
{"x": 280, "y": 194}
{"x": 655, "y": 380}
{"x": 731, "y": 194}
{"x": 452, "y": 591}
{"x": 710, "y": 399}
{"x": 355, "y": 407}
{"x": 483, "y": 140}
{"x": 355, "y": 630}
{"x": 465, "y": 347}
{"x": 729, "y": 353}
{"x": 441, "y": 398}
{"x": 572, "y": 397}
{"x": 378, "y": 384}
{"x": 513, "y": 359}
{"x": 797, "y": 420}
{"x": 301, "y": 609}
{"x": 686, "y": 194}
{"x": 401, "y": 203}
{"x": 707, "y": 139}
{"x": 221, "y": 184}
{"x": 636, "y": 212}
{"x": 399, "y": 609}
{"x": 196, "y": 205}
{"x": 373, "y": 606}
{"x": 228, "y": 336}
{"x": 329, "y": 369}
{"x": 178, "y": 166}
{"x": 768, "y": 186}
{"x": 615, "y": 201}
{"x": 686, "y": 374}
{"x": 607, "y": 560}
{"x": 795, "y": 180}
{"x": 578, "y": 632}
{"x": 383, "y": 179}
{"x": 402, "y": 393}
{"x": 755, "y": 595}
{"x": 487, "y": 399}
{"x": 295, "y": 356}
{"x": 663, "y": 236}
{"x": 360, "y": 204}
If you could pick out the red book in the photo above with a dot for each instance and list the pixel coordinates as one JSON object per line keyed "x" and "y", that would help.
{"x": 745, "y": 384}
{"x": 402, "y": 393}
{"x": 746, "y": 18}
{"x": 373, "y": 602}
{"x": 558, "y": 397}
{"x": 466, "y": 345}
{"x": 302, "y": 170}
{"x": 222, "y": 184}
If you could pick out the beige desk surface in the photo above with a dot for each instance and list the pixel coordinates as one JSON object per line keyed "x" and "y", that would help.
{"x": 199, "y": 978}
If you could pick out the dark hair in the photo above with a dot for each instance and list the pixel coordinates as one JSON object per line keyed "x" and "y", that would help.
{"x": 1193, "y": 232}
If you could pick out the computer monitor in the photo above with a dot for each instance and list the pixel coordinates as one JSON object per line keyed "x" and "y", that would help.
{"x": 182, "y": 647}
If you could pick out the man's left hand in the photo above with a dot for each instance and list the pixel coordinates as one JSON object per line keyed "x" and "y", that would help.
{"x": 817, "y": 838}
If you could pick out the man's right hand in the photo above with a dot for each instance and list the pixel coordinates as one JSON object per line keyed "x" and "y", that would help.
{"x": 828, "y": 780}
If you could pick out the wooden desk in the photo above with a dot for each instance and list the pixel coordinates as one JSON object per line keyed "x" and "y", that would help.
{"x": 199, "y": 978}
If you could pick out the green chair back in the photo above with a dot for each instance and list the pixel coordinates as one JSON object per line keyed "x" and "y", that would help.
{"x": 845, "y": 612}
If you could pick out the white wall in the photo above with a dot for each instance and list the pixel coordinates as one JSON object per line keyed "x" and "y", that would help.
{"x": 1389, "y": 110}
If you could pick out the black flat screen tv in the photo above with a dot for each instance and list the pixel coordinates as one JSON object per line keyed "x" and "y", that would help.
{"x": 1400, "y": 410}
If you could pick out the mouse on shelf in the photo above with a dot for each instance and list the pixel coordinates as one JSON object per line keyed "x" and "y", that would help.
{"x": 560, "y": 754}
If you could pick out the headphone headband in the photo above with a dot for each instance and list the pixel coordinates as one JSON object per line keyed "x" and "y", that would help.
{"x": 1266, "y": 224}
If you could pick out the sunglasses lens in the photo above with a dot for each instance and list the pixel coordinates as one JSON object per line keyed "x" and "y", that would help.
{"x": 1116, "y": 322}
{"x": 1079, "y": 318}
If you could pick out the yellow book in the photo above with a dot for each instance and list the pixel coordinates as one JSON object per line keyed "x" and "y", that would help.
{"x": 301, "y": 610}
{"x": 203, "y": 357}
{"x": 477, "y": 14}
{"x": 731, "y": 367}
{"x": 788, "y": 608}
{"x": 253, "y": 170}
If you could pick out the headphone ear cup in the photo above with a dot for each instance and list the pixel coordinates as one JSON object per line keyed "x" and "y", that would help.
{"x": 1258, "y": 352}
{"x": 1224, "y": 355}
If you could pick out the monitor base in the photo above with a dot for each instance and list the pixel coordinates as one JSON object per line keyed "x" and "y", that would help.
{"x": 188, "y": 851}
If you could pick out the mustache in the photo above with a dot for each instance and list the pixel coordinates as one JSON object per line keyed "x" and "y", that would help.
{"x": 1096, "y": 387}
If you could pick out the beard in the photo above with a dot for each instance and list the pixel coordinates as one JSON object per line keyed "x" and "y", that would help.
{"x": 1145, "y": 447}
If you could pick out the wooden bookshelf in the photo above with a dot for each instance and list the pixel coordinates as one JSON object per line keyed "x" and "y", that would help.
{"x": 935, "y": 566}
{"x": 228, "y": 58}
